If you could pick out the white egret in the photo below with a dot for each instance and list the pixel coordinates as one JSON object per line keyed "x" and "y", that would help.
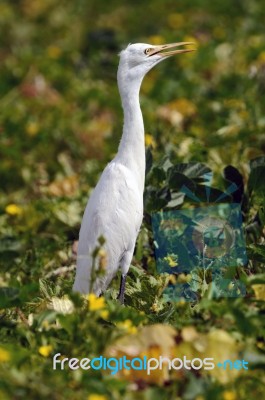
{"x": 115, "y": 208}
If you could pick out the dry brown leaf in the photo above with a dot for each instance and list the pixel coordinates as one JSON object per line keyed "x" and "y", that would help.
{"x": 63, "y": 187}
{"x": 176, "y": 111}
{"x": 151, "y": 341}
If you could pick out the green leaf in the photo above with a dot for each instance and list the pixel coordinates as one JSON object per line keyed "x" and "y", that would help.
{"x": 149, "y": 160}
{"x": 176, "y": 180}
{"x": 256, "y": 252}
{"x": 214, "y": 195}
{"x": 256, "y": 181}
{"x": 9, "y": 297}
{"x": 257, "y": 162}
{"x": 8, "y": 244}
{"x": 191, "y": 170}
{"x": 256, "y": 279}
{"x": 176, "y": 200}
{"x": 14, "y": 297}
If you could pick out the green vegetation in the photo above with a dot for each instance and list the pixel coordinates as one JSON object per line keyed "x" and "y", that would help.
{"x": 60, "y": 123}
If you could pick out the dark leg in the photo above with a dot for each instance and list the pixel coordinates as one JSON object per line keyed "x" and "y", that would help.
{"x": 122, "y": 289}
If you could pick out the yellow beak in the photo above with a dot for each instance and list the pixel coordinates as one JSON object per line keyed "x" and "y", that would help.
{"x": 161, "y": 49}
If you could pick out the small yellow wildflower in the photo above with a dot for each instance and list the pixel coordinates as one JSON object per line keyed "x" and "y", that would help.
{"x": 172, "y": 280}
{"x": 4, "y": 355}
{"x": 128, "y": 326}
{"x": 32, "y": 128}
{"x": 45, "y": 324}
{"x": 171, "y": 262}
{"x": 13, "y": 209}
{"x": 95, "y": 303}
{"x": 149, "y": 140}
{"x": 184, "y": 106}
{"x": 45, "y": 351}
{"x": 182, "y": 278}
{"x": 104, "y": 314}
{"x": 261, "y": 345}
{"x": 182, "y": 302}
{"x": 261, "y": 57}
{"x": 191, "y": 39}
{"x": 156, "y": 39}
{"x": 95, "y": 396}
{"x": 229, "y": 395}
{"x": 54, "y": 52}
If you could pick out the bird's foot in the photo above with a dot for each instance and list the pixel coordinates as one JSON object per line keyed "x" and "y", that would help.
{"x": 122, "y": 289}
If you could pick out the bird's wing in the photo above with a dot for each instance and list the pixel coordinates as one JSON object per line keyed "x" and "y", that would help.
{"x": 114, "y": 211}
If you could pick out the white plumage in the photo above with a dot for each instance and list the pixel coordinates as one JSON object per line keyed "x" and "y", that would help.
{"x": 115, "y": 208}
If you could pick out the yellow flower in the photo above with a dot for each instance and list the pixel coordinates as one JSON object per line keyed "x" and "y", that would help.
{"x": 95, "y": 396}
{"x": 45, "y": 324}
{"x": 191, "y": 39}
{"x": 172, "y": 279}
{"x": 4, "y": 355}
{"x": 128, "y": 326}
{"x": 199, "y": 397}
{"x": 104, "y": 314}
{"x": 184, "y": 106}
{"x": 182, "y": 278}
{"x": 229, "y": 395}
{"x": 54, "y": 52}
{"x": 45, "y": 351}
{"x": 156, "y": 39}
{"x": 149, "y": 140}
{"x": 171, "y": 262}
{"x": 32, "y": 128}
{"x": 186, "y": 61}
{"x": 13, "y": 209}
{"x": 182, "y": 302}
{"x": 261, "y": 57}
{"x": 95, "y": 303}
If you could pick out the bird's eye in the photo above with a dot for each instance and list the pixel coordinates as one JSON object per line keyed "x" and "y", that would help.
{"x": 147, "y": 51}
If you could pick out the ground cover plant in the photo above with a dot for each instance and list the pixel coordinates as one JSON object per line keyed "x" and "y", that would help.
{"x": 60, "y": 123}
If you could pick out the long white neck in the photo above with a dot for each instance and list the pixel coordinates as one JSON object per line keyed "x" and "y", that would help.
{"x": 131, "y": 150}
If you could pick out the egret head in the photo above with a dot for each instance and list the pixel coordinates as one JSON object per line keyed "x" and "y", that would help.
{"x": 137, "y": 59}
